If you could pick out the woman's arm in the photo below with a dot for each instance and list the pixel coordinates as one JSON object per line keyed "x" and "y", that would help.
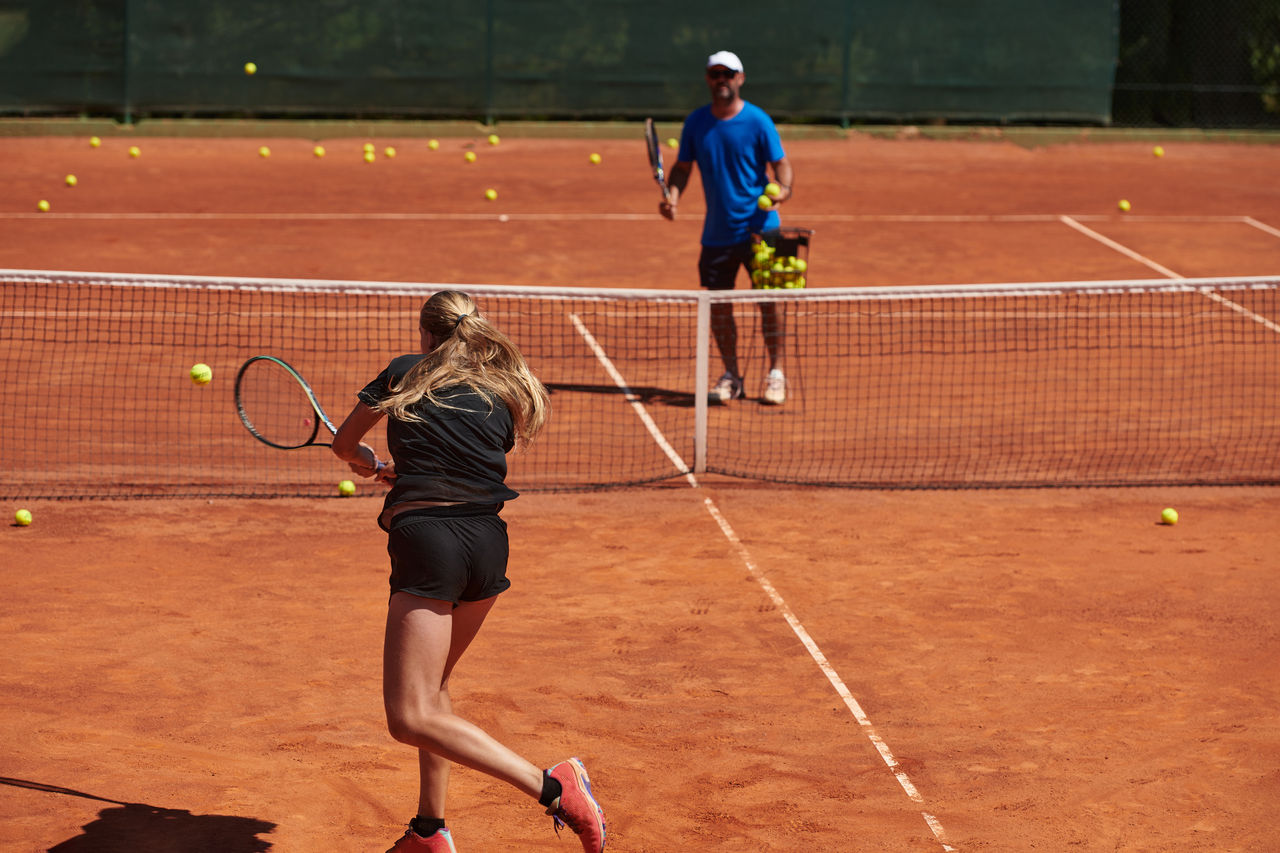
{"x": 348, "y": 444}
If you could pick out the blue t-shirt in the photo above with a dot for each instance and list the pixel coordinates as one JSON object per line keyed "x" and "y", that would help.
{"x": 732, "y": 156}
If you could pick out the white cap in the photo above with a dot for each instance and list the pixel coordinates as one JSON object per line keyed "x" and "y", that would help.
{"x": 727, "y": 59}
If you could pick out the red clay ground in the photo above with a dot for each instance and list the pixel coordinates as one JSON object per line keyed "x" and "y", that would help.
{"x": 572, "y": 223}
{"x": 1052, "y": 669}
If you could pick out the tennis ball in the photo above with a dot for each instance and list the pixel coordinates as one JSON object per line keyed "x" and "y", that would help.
{"x": 470, "y": 156}
{"x": 318, "y": 150}
{"x": 389, "y": 152}
{"x": 71, "y": 180}
{"x": 94, "y": 142}
{"x": 1124, "y": 205}
{"x": 264, "y": 151}
{"x": 251, "y": 68}
{"x": 764, "y": 202}
{"x": 369, "y": 146}
{"x": 772, "y": 190}
{"x": 493, "y": 139}
{"x": 42, "y": 205}
{"x": 346, "y": 488}
{"x": 491, "y": 194}
{"x": 1169, "y": 515}
{"x": 135, "y": 151}
{"x": 201, "y": 374}
{"x": 1158, "y": 151}
{"x": 369, "y": 156}
{"x": 801, "y": 264}
{"x": 595, "y": 159}
{"x": 671, "y": 143}
{"x": 433, "y": 144}
{"x": 22, "y": 517}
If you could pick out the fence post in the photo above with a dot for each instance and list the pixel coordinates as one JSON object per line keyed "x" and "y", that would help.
{"x": 127, "y": 62}
{"x": 488, "y": 63}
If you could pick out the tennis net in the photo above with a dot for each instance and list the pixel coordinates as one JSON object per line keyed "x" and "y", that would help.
{"x": 1071, "y": 384}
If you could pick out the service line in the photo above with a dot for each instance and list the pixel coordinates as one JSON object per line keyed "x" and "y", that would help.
{"x": 1165, "y": 271}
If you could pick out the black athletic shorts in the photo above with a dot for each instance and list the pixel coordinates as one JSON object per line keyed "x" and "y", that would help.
{"x": 450, "y": 553}
{"x": 718, "y": 265}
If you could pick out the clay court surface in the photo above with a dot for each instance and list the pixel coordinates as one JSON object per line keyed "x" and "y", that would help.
{"x": 1046, "y": 669}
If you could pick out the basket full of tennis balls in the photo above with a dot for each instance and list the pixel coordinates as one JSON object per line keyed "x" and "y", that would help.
{"x": 780, "y": 259}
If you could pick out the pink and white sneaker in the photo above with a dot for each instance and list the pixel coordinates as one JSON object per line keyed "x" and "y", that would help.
{"x": 576, "y": 806}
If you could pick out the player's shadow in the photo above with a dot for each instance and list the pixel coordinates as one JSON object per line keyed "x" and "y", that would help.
{"x": 644, "y": 394}
{"x": 140, "y": 828}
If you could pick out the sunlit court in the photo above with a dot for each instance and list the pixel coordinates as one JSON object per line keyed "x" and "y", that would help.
{"x": 1001, "y": 573}
{"x": 743, "y": 661}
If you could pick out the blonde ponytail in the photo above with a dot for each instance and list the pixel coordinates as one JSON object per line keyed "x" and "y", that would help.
{"x": 470, "y": 351}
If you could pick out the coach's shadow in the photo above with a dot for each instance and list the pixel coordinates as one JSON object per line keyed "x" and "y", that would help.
{"x": 643, "y": 394}
{"x": 140, "y": 828}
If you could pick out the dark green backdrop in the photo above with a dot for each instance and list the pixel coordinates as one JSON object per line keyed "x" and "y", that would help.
{"x": 831, "y": 60}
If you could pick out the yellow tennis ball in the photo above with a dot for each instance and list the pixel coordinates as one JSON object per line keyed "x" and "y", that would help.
{"x": 264, "y": 151}
{"x": 433, "y": 144}
{"x": 369, "y": 146}
{"x": 1124, "y": 205}
{"x": 493, "y": 139}
{"x": 764, "y": 202}
{"x": 1168, "y": 515}
{"x": 389, "y": 152}
{"x": 22, "y": 517}
{"x": 369, "y": 156}
{"x": 801, "y": 264}
{"x": 772, "y": 190}
{"x": 491, "y": 194}
{"x": 201, "y": 374}
{"x": 1158, "y": 151}
{"x": 71, "y": 180}
{"x": 470, "y": 156}
{"x": 346, "y": 488}
{"x": 94, "y": 142}
{"x": 318, "y": 151}
{"x": 672, "y": 143}
{"x": 135, "y": 151}
{"x": 42, "y": 205}
{"x": 595, "y": 159}
{"x": 250, "y": 68}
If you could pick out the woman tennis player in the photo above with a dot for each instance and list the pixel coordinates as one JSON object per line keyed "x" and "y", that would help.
{"x": 454, "y": 412}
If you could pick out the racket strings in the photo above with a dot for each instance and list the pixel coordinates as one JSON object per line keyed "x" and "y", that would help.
{"x": 275, "y": 407}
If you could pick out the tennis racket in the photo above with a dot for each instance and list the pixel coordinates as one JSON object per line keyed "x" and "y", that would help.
{"x": 655, "y": 157}
{"x": 278, "y": 407}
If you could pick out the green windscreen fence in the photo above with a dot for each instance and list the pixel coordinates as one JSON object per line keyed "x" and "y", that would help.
{"x": 996, "y": 60}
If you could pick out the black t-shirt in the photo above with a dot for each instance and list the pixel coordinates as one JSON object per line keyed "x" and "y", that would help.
{"x": 452, "y": 454}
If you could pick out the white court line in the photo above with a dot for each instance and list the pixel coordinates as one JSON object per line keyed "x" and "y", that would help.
{"x": 1262, "y": 226}
{"x": 640, "y": 410}
{"x": 1124, "y": 250}
{"x": 1163, "y": 270}
{"x": 935, "y": 826}
{"x": 587, "y": 216}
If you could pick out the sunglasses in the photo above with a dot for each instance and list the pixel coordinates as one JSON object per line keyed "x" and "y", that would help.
{"x": 721, "y": 74}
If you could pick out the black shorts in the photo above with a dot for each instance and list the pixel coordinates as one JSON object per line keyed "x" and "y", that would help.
{"x": 450, "y": 553}
{"x": 718, "y": 265}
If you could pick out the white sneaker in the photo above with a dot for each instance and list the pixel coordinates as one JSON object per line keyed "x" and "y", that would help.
{"x": 775, "y": 388}
{"x": 729, "y": 387}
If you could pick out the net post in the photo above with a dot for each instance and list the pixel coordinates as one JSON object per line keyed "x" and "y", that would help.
{"x": 702, "y": 364}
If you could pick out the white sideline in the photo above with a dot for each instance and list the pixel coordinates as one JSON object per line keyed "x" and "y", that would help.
{"x": 935, "y": 826}
{"x": 1165, "y": 271}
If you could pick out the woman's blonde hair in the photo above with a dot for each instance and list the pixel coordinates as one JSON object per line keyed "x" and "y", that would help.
{"x": 471, "y": 351}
